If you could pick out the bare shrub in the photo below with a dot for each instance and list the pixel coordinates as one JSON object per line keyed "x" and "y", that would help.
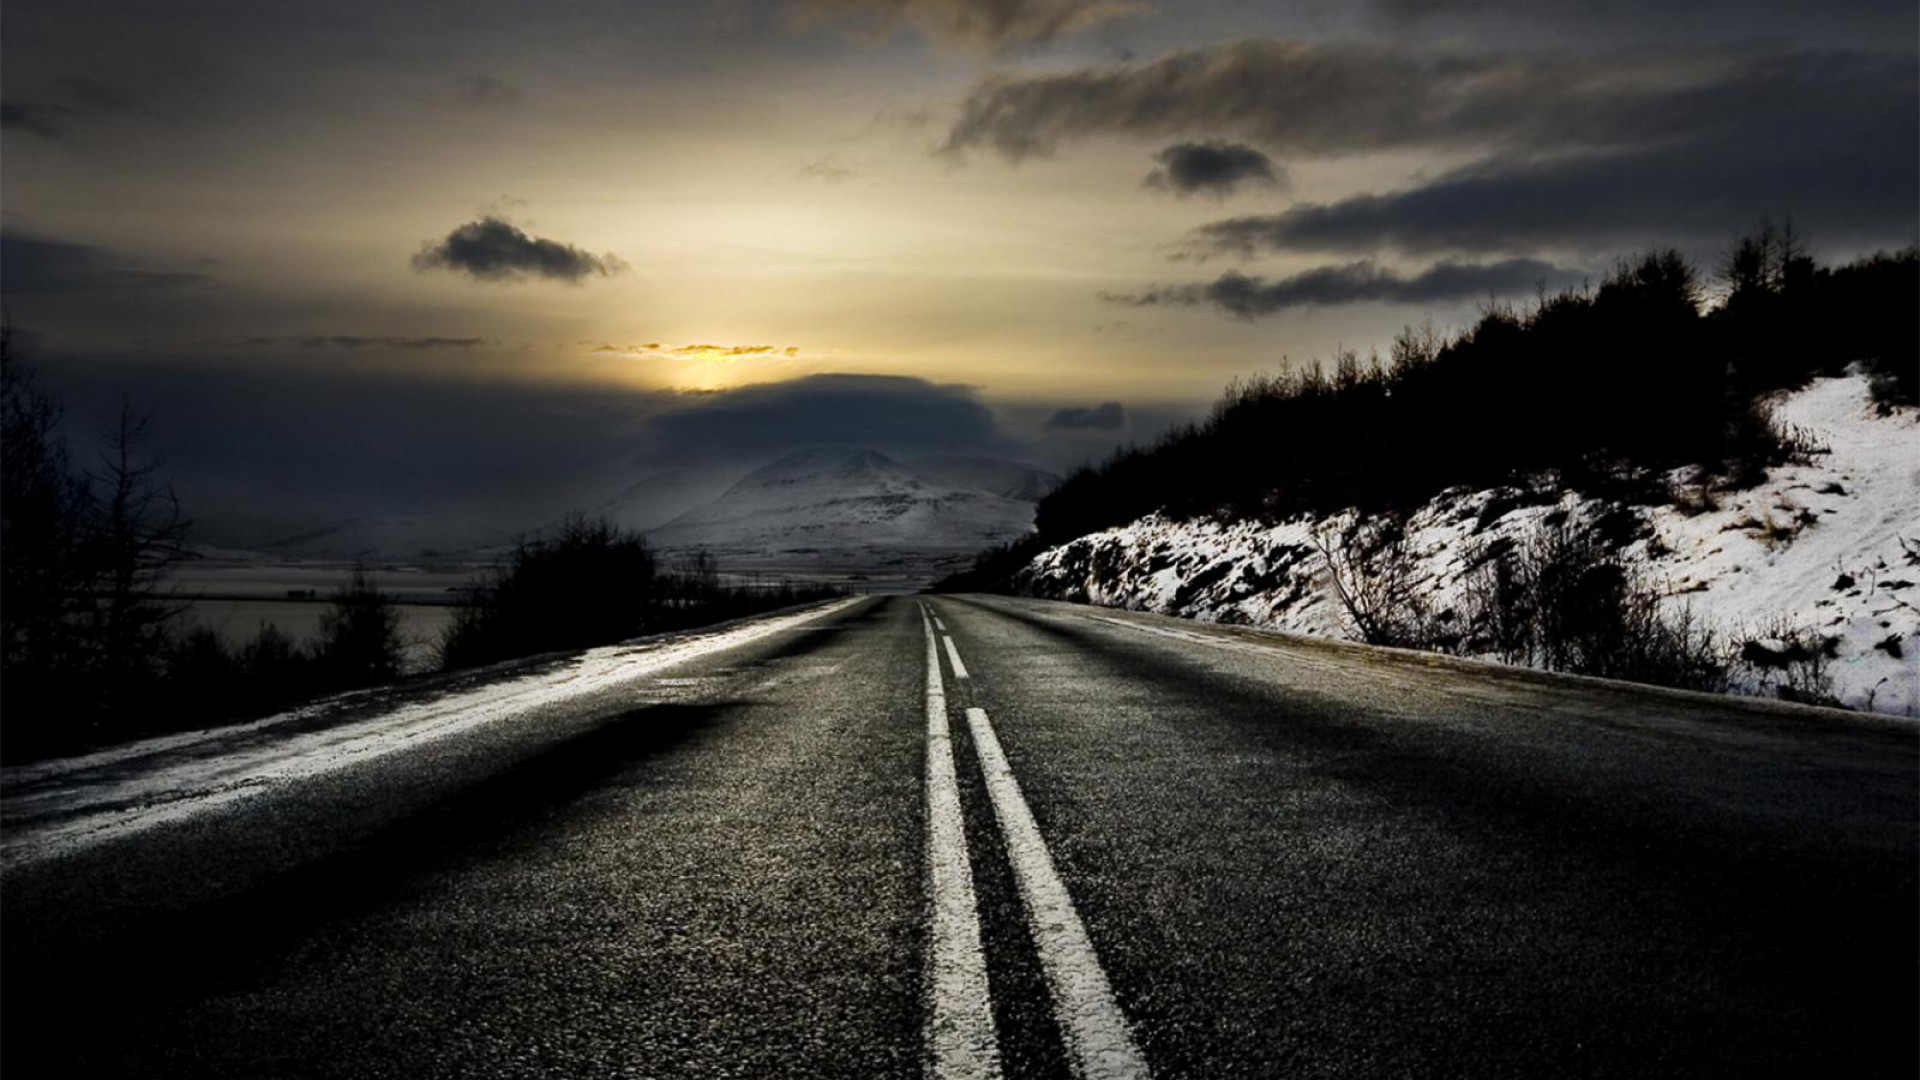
{"x": 1372, "y": 568}
{"x": 1790, "y": 662}
{"x": 1568, "y": 599}
{"x": 1497, "y": 602}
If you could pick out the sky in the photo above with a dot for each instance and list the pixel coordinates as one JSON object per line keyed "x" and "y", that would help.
{"x": 502, "y": 258}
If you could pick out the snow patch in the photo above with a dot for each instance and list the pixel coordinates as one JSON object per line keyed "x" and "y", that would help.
{"x": 56, "y": 806}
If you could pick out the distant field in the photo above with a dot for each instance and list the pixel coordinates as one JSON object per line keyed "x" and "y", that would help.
{"x": 234, "y": 599}
{"x": 272, "y": 581}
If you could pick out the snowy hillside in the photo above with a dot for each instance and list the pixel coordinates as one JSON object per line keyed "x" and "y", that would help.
{"x": 1827, "y": 551}
{"x": 846, "y": 507}
{"x": 659, "y": 495}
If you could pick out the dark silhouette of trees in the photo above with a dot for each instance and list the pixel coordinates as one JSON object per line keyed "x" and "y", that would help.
{"x": 587, "y": 583}
{"x": 86, "y": 609}
{"x": 590, "y": 582}
{"x": 41, "y": 574}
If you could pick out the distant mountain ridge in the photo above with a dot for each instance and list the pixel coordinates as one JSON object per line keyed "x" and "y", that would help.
{"x": 843, "y": 507}
{"x": 856, "y": 507}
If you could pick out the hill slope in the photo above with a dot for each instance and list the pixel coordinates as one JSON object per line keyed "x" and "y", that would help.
{"x": 846, "y": 507}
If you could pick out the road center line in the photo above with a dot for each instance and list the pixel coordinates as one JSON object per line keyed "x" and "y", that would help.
{"x": 1099, "y": 1044}
{"x": 961, "y": 1043}
{"x": 938, "y": 625}
{"x": 953, "y": 654}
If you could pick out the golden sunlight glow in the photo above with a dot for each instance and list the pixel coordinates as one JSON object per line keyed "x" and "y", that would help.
{"x": 698, "y": 365}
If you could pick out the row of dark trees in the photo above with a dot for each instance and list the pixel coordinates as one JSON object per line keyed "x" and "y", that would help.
{"x": 588, "y": 582}
{"x": 1606, "y": 389}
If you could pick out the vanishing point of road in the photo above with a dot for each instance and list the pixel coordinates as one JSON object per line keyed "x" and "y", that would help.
{"x": 970, "y": 837}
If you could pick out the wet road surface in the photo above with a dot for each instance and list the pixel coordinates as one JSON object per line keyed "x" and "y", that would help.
{"x": 970, "y": 836}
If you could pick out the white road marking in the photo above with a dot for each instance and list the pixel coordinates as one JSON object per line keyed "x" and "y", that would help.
{"x": 953, "y": 654}
{"x": 1099, "y": 1044}
{"x": 938, "y": 625}
{"x": 961, "y": 1044}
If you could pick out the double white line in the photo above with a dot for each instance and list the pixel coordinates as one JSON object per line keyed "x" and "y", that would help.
{"x": 961, "y": 1041}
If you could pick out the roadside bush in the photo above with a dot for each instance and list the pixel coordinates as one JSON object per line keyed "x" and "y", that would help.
{"x": 1569, "y": 600}
{"x": 1373, "y": 572}
{"x": 587, "y": 583}
{"x": 1789, "y": 662}
{"x": 1497, "y": 603}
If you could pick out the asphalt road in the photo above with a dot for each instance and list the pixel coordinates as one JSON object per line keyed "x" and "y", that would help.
{"x": 1086, "y": 843}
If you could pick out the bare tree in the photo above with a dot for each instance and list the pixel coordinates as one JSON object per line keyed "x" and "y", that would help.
{"x": 40, "y": 521}
{"x": 360, "y": 642}
{"x": 1371, "y": 566}
{"x": 134, "y": 534}
{"x": 1497, "y": 600}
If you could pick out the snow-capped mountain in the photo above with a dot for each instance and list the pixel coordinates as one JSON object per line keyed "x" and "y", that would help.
{"x": 854, "y": 507}
{"x": 659, "y": 495}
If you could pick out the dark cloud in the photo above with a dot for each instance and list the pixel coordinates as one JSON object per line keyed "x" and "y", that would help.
{"x": 81, "y": 97}
{"x": 46, "y": 121}
{"x": 240, "y": 441}
{"x": 1213, "y": 168}
{"x": 358, "y": 341}
{"x": 1355, "y": 283}
{"x": 970, "y": 24}
{"x": 494, "y": 250}
{"x": 1305, "y": 99}
{"x": 1106, "y": 416}
{"x": 828, "y": 169}
{"x": 1696, "y": 20}
{"x": 889, "y": 412}
{"x": 36, "y": 264}
{"x": 488, "y": 90}
{"x": 1850, "y": 182}
{"x": 93, "y": 95}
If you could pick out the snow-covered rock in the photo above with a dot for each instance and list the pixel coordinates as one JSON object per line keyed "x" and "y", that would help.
{"x": 1829, "y": 549}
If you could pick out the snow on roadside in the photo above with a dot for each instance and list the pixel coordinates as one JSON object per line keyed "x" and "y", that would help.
{"x": 1830, "y": 549}
{"x": 56, "y": 806}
